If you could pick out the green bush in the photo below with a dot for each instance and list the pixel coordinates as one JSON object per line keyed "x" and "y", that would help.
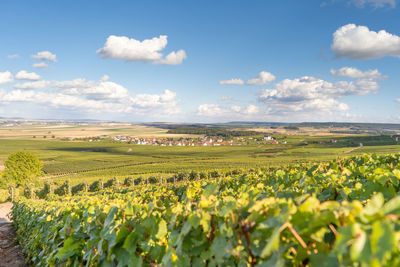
{"x": 138, "y": 180}
{"x": 22, "y": 167}
{"x": 78, "y": 188}
{"x": 63, "y": 189}
{"x": 128, "y": 181}
{"x": 152, "y": 180}
{"x": 28, "y": 191}
{"x": 193, "y": 175}
{"x": 44, "y": 192}
{"x": 111, "y": 183}
{"x": 203, "y": 175}
{"x": 4, "y": 195}
{"x": 95, "y": 186}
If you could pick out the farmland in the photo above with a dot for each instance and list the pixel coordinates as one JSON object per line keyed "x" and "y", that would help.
{"x": 338, "y": 213}
{"x": 82, "y": 160}
{"x": 297, "y": 196}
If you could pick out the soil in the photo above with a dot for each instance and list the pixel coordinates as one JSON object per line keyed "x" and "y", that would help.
{"x": 10, "y": 252}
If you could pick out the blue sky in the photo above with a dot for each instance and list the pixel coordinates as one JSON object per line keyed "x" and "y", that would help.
{"x": 201, "y": 61}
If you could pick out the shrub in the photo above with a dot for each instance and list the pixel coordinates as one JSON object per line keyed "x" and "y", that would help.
{"x": 128, "y": 181}
{"x": 44, "y": 192}
{"x": 193, "y": 175}
{"x": 63, "y": 189}
{"x": 182, "y": 176}
{"x": 215, "y": 174}
{"x": 152, "y": 180}
{"x": 138, "y": 180}
{"x": 28, "y": 191}
{"x": 110, "y": 183}
{"x": 203, "y": 175}
{"x": 95, "y": 186}
{"x": 4, "y": 195}
{"x": 78, "y": 188}
{"x": 22, "y": 167}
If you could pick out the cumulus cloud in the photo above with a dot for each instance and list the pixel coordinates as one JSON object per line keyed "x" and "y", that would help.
{"x": 349, "y": 72}
{"x": 92, "y": 96}
{"x": 232, "y": 82}
{"x": 173, "y": 58}
{"x": 210, "y": 110}
{"x": 14, "y": 56}
{"x": 148, "y": 50}
{"x": 316, "y": 96}
{"x": 359, "y": 42}
{"x": 45, "y": 55}
{"x": 40, "y": 65}
{"x": 215, "y": 110}
{"x": 24, "y": 75}
{"x": 264, "y": 77}
{"x": 6, "y": 77}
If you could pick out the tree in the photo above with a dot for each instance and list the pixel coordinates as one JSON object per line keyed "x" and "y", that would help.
{"x": 22, "y": 167}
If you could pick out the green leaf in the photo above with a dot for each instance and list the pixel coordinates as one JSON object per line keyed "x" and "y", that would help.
{"x": 272, "y": 245}
{"x": 392, "y": 206}
{"x": 162, "y": 229}
{"x": 210, "y": 190}
{"x": 68, "y": 250}
{"x": 382, "y": 240}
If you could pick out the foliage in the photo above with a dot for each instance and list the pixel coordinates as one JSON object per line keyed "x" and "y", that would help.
{"x": 78, "y": 188}
{"x": 208, "y": 131}
{"x": 342, "y": 213}
{"x": 44, "y": 192}
{"x": 22, "y": 167}
{"x": 110, "y": 183}
{"x": 95, "y": 186}
{"x": 63, "y": 189}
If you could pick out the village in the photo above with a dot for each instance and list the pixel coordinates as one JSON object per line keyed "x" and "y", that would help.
{"x": 202, "y": 141}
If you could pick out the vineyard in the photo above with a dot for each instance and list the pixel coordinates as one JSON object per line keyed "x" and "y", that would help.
{"x": 341, "y": 213}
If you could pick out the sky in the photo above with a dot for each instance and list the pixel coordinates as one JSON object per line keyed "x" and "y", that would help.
{"x": 201, "y": 61}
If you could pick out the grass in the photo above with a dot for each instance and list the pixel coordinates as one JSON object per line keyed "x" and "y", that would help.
{"x": 79, "y": 161}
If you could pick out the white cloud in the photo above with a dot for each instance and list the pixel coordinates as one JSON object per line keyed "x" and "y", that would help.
{"x": 14, "y": 56}
{"x": 264, "y": 77}
{"x": 349, "y": 72}
{"x": 24, "y": 75}
{"x": 93, "y": 97}
{"x": 251, "y": 109}
{"x": 309, "y": 95}
{"x": 148, "y": 50}
{"x": 40, "y": 65}
{"x": 358, "y": 42}
{"x": 6, "y": 77}
{"x": 398, "y": 100}
{"x": 173, "y": 58}
{"x": 375, "y": 3}
{"x": 232, "y": 82}
{"x": 215, "y": 110}
{"x": 45, "y": 55}
{"x": 306, "y": 88}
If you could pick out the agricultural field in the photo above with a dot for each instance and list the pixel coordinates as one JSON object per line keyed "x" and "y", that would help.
{"x": 340, "y": 213}
{"x": 82, "y": 160}
{"x": 56, "y": 131}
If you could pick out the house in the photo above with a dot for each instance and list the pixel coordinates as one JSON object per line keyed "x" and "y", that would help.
{"x": 268, "y": 138}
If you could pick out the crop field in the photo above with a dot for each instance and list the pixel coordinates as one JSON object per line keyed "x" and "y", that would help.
{"x": 59, "y": 131}
{"x": 340, "y": 213}
{"x": 79, "y": 160}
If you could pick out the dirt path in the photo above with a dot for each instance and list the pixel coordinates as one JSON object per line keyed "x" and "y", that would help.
{"x": 10, "y": 252}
